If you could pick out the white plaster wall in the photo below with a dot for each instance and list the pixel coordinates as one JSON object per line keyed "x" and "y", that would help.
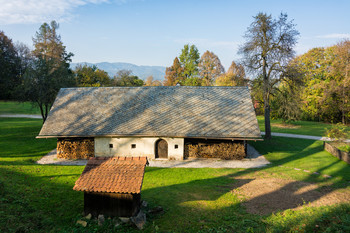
{"x": 144, "y": 147}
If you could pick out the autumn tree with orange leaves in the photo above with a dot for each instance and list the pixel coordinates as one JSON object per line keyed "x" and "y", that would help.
{"x": 209, "y": 68}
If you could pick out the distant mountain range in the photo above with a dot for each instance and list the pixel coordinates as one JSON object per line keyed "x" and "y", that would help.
{"x": 142, "y": 72}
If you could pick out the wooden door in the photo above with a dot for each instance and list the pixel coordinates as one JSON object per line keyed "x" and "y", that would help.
{"x": 161, "y": 149}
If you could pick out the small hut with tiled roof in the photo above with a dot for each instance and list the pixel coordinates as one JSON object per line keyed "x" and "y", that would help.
{"x": 112, "y": 185}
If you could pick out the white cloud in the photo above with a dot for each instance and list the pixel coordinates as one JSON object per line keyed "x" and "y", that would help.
{"x": 38, "y": 11}
{"x": 335, "y": 36}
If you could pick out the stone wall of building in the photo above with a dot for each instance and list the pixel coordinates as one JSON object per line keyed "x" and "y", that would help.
{"x": 138, "y": 146}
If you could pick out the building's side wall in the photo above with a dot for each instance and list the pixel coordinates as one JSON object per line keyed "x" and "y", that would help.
{"x": 142, "y": 147}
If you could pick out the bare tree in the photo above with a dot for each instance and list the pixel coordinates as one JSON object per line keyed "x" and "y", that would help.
{"x": 267, "y": 51}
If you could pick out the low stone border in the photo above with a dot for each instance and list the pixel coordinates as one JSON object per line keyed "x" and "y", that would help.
{"x": 342, "y": 155}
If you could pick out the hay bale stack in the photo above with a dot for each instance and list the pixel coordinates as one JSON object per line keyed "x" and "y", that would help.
{"x": 77, "y": 148}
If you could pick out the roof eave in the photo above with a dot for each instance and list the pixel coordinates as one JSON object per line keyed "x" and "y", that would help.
{"x": 249, "y": 138}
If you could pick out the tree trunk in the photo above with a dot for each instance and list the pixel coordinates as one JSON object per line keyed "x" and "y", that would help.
{"x": 46, "y": 112}
{"x": 266, "y": 102}
{"x": 267, "y": 117}
{"x": 41, "y": 111}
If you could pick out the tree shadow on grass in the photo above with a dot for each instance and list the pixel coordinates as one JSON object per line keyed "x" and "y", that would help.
{"x": 196, "y": 204}
{"x": 306, "y": 155}
{"x": 31, "y": 203}
{"x": 201, "y": 203}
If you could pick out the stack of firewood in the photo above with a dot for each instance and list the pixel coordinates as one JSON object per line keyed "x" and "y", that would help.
{"x": 75, "y": 149}
{"x": 219, "y": 150}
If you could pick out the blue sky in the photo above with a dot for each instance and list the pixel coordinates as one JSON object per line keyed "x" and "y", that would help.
{"x": 153, "y": 32}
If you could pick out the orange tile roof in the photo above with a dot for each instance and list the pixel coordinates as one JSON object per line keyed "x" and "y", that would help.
{"x": 112, "y": 175}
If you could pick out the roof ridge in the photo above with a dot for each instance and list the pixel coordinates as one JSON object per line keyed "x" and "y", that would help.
{"x": 160, "y": 87}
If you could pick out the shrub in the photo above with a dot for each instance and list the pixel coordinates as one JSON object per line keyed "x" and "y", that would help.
{"x": 345, "y": 148}
{"x": 337, "y": 132}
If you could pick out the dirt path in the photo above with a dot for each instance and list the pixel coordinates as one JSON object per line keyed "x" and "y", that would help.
{"x": 266, "y": 195}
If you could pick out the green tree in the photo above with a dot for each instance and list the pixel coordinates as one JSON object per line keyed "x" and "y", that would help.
{"x": 193, "y": 81}
{"x": 49, "y": 70}
{"x": 257, "y": 94}
{"x": 266, "y": 52}
{"x": 210, "y": 68}
{"x": 25, "y": 56}
{"x": 9, "y": 67}
{"x": 124, "y": 78}
{"x": 314, "y": 66}
{"x": 174, "y": 74}
{"x": 341, "y": 70}
{"x": 91, "y": 76}
{"x": 286, "y": 102}
{"x": 327, "y": 86}
{"x": 235, "y": 76}
{"x": 189, "y": 59}
{"x": 288, "y": 94}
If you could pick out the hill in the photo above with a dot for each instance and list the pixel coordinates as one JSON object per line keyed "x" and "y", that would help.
{"x": 142, "y": 72}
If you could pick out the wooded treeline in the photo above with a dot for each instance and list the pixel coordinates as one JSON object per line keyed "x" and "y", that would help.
{"x": 311, "y": 86}
{"x": 314, "y": 86}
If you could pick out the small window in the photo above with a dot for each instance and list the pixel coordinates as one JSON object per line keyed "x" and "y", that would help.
{"x": 176, "y": 146}
{"x": 133, "y": 146}
{"x": 110, "y": 145}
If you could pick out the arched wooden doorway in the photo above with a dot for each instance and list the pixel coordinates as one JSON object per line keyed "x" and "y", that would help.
{"x": 161, "y": 149}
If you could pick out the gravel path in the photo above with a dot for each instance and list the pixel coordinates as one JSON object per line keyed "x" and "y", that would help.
{"x": 253, "y": 160}
{"x": 287, "y": 135}
{"x": 21, "y": 116}
{"x": 51, "y": 158}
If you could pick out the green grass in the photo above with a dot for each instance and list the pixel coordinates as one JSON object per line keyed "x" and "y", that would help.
{"x": 12, "y": 107}
{"x": 304, "y": 154}
{"x": 312, "y": 128}
{"x": 39, "y": 198}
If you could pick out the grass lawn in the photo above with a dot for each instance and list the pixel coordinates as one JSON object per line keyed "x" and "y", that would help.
{"x": 39, "y": 198}
{"x": 12, "y": 107}
{"x": 312, "y": 128}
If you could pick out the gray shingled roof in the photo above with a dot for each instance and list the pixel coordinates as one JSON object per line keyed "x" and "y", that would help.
{"x": 208, "y": 112}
